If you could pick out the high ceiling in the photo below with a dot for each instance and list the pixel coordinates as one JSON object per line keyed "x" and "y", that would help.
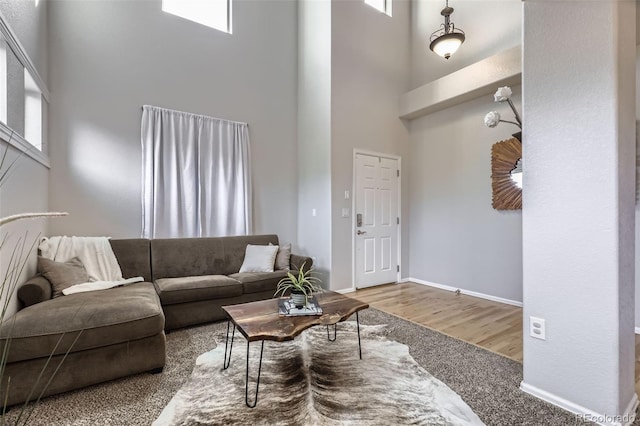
{"x": 491, "y": 26}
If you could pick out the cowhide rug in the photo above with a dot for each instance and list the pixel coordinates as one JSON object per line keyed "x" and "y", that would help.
{"x": 311, "y": 381}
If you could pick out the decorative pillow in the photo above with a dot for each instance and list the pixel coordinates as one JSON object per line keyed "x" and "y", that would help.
{"x": 259, "y": 258}
{"x": 62, "y": 274}
{"x": 283, "y": 257}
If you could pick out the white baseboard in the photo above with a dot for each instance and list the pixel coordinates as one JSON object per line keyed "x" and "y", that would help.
{"x": 463, "y": 291}
{"x": 471, "y": 293}
{"x": 345, "y": 290}
{"x": 623, "y": 419}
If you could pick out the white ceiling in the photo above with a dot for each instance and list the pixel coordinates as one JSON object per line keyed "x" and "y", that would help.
{"x": 491, "y": 26}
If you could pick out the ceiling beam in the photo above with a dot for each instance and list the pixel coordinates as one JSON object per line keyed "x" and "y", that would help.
{"x": 481, "y": 78}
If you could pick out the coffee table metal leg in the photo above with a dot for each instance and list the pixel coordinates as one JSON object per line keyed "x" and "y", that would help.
{"x": 335, "y": 331}
{"x": 246, "y": 387}
{"x": 226, "y": 363}
{"x": 335, "y": 326}
{"x": 358, "y": 325}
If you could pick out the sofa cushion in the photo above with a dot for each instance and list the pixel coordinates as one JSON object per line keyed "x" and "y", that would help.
{"x": 254, "y": 282}
{"x": 134, "y": 257}
{"x": 62, "y": 275}
{"x": 36, "y": 290}
{"x": 203, "y": 287}
{"x": 100, "y": 318}
{"x": 298, "y": 261}
{"x": 185, "y": 257}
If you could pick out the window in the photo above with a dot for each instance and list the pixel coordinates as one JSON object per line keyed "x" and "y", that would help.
{"x": 23, "y": 99}
{"x": 212, "y": 13}
{"x": 383, "y": 6}
{"x": 32, "y": 111}
{"x": 196, "y": 175}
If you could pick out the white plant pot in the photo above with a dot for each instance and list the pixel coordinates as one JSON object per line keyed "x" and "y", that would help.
{"x": 298, "y": 299}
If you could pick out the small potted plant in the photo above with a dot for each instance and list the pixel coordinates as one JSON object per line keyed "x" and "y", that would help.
{"x": 301, "y": 287}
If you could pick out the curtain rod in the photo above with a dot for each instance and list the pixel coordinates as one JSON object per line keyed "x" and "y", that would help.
{"x": 194, "y": 114}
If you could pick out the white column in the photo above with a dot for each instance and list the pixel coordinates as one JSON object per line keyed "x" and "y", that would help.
{"x": 314, "y": 134}
{"x": 579, "y": 196}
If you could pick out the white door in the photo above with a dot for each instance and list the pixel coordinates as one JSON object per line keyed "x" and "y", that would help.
{"x": 376, "y": 220}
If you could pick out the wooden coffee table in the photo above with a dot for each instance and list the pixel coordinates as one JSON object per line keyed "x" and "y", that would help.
{"x": 259, "y": 321}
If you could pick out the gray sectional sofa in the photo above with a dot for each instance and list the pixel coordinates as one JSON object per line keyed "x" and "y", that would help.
{"x": 113, "y": 333}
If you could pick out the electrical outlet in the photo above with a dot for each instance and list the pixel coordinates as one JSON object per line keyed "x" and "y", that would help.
{"x": 537, "y": 328}
{"x": 345, "y": 212}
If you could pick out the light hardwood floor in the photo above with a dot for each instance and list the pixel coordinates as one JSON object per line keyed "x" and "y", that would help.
{"x": 494, "y": 326}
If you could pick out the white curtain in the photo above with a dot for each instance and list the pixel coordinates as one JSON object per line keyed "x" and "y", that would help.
{"x": 195, "y": 175}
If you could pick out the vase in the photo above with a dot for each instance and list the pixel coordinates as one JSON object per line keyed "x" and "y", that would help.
{"x": 299, "y": 299}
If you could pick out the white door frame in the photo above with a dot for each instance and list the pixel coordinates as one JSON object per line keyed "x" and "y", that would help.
{"x": 357, "y": 151}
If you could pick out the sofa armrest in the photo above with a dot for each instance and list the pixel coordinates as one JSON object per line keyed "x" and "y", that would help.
{"x": 296, "y": 262}
{"x": 36, "y": 290}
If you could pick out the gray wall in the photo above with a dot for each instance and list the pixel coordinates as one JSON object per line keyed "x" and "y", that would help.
{"x": 370, "y": 70}
{"x": 457, "y": 238}
{"x": 26, "y": 189}
{"x": 578, "y": 226}
{"x": 314, "y": 133}
{"x": 109, "y": 58}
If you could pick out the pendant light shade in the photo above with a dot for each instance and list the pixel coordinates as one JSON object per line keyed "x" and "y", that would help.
{"x": 446, "y": 39}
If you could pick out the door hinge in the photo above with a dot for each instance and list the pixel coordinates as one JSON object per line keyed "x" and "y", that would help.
{"x": 398, "y": 268}
{"x": 398, "y": 221}
{"x": 398, "y": 173}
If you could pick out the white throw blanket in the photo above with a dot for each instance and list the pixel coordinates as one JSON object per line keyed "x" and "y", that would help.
{"x": 99, "y": 285}
{"x": 96, "y": 256}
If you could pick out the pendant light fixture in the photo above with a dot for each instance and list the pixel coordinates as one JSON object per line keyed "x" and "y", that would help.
{"x": 446, "y": 39}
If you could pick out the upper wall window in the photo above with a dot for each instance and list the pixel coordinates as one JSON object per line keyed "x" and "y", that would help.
{"x": 32, "y": 111}
{"x": 212, "y": 13}
{"x": 383, "y": 6}
{"x": 23, "y": 99}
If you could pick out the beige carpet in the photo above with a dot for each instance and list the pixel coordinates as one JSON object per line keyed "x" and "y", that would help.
{"x": 487, "y": 382}
{"x": 312, "y": 381}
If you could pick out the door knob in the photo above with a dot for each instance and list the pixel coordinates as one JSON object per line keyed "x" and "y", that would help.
{"x": 359, "y": 232}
